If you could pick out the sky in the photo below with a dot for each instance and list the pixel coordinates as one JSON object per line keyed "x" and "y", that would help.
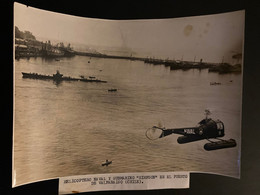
{"x": 211, "y": 38}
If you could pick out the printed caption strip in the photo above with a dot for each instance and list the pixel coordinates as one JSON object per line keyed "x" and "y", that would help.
{"x": 124, "y": 181}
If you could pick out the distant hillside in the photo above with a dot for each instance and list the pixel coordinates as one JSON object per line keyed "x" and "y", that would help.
{"x": 23, "y": 35}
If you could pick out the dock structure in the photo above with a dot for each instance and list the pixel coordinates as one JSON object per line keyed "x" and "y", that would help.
{"x": 34, "y": 48}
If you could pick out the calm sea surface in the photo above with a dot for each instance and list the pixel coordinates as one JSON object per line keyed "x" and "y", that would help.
{"x": 72, "y": 127}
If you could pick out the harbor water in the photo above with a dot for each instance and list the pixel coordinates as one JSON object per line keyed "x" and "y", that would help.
{"x": 72, "y": 127}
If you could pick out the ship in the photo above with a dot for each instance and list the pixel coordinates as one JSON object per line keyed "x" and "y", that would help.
{"x": 58, "y": 77}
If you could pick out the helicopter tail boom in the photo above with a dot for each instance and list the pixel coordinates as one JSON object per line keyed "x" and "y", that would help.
{"x": 190, "y": 131}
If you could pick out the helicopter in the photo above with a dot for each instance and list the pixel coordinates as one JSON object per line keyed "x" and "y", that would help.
{"x": 206, "y": 129}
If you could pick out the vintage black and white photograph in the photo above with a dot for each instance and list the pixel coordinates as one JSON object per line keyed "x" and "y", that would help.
{"x": 98, "y": 96}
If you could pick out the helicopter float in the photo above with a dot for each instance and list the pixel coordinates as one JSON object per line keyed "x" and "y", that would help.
{"x": 206, "y": 129}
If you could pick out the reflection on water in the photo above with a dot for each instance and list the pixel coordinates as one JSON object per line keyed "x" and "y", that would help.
{"x": 70, "y": 128}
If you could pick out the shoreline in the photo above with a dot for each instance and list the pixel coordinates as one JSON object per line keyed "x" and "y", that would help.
{"x": 221, "y": 68}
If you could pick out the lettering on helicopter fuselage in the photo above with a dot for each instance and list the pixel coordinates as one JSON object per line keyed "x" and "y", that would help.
{"x": 189, "y": 131}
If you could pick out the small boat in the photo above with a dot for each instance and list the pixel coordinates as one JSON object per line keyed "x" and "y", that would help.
{"x": 107, "y": 163}
{"x": 112, "y": 90}
{"x": 215, "y": 83}
{"x": 220, "y": 144}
